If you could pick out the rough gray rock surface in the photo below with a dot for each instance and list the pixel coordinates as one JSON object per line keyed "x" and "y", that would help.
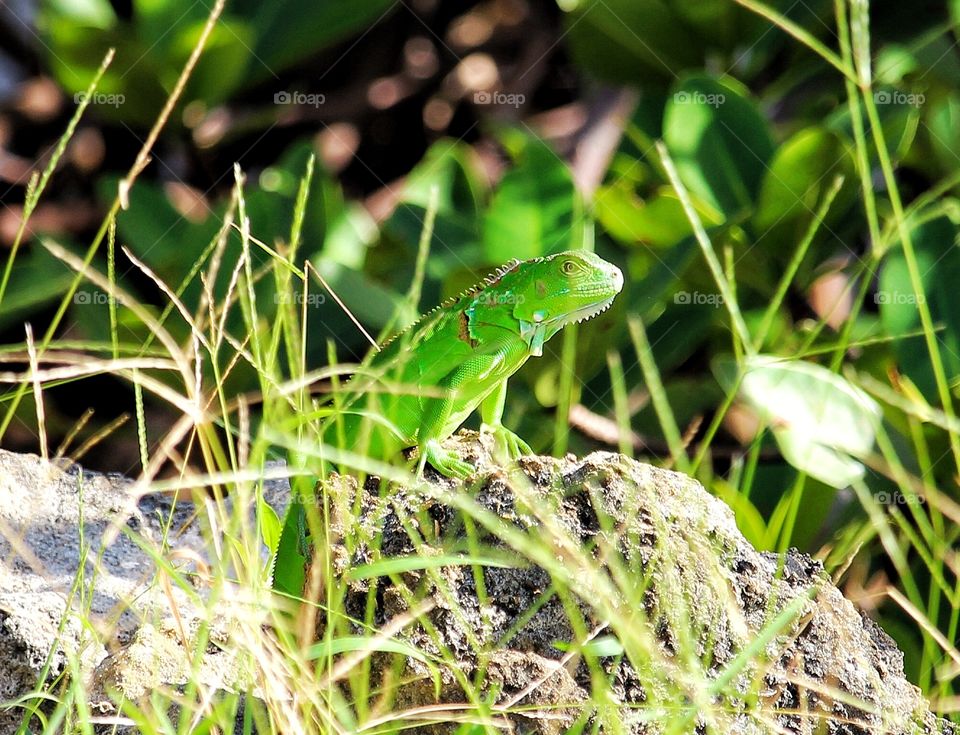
{"x": 665, "y": 533}
{"x": 51, "y": 517}
{"x": 45, "y": 511}
{"x": 704, "y": 589}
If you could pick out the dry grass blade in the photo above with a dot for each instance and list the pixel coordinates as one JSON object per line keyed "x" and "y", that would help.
{"x": 178, "y": 304}
{"x": 308, "y": 266}
{"x": 143, "y": 157}
{"x": 910, "y": 609}
{"x": 173, "y": 349}
{"x": 37, "y": 392}
{"x": 82, "y": 368}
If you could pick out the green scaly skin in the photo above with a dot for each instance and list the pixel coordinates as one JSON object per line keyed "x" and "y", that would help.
{"x": 422, "y": 385}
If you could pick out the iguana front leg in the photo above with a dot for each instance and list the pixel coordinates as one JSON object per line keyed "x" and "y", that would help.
{"x": 467, "y": 380}
{"x": 491, "y": 415}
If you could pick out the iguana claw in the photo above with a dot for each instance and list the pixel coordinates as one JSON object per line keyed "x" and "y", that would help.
{"x": 445, "y": 461}
{"x": 507, "y": 443}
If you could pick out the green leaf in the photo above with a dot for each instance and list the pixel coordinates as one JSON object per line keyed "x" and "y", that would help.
{"x": 719, "y": 142}
{"x": 289, "y": 559}
{"x": 38, "y": 278}
{"x": 270, "y": 524}
{"x": 938, "y": 260}
{"x": 820, "y": 421}
{"x": 75, "y": 54}
{"x": 750, "y": 521}
{"x": 154, "y": 230}
{"x": 449, "y": 166}
{"x": 290, "y": 31}
{"x": 653, "y": 276}
{"x": 899, "y": 117}
{"x": 930, "y": 63}
{"x": 471, "y": 729}
{"x": 659, "y": 221}
{"x": 455, "y": 242}
{"x": 533, "y": 209}
{"x": 251, "y": 42}
{"x": 654, "y": 40}
{"x": 222, "y": 69}
{"x": 627, "y": 40}
{"x": 943, "y": 123}
{"x": 349, "y": 235}
{"x": 801, "y": 169}
{"x": 818, "y": 507}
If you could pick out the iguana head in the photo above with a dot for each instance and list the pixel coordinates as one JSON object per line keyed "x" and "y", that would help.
{"x": 546, "y": 294}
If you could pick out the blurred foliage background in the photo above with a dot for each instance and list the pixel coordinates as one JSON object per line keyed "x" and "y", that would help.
{"x": 536, "y": 123}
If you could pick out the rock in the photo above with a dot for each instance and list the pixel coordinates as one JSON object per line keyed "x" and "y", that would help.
{"x": 667, "y": 573}
{"x": 51, "y": 517}
{"x": 701, "y": 591}
{"x": 157, "y": 657}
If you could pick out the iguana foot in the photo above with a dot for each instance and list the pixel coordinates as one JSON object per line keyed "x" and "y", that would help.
{"x": 506, "y": 442}
{"x": 444, "y": 461}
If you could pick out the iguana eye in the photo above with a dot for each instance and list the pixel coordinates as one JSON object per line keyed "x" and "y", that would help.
{"x": 569, "y": 267}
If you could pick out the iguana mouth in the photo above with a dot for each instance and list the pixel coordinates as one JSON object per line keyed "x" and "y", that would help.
{"x": 582, "y": 314}
{"x": 588, "y": 312}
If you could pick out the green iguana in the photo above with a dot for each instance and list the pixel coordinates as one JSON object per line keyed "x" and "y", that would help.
{"x": 424, "y": 382}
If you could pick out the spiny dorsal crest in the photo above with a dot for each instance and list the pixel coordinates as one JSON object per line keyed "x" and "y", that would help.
{"x": 490, "y": 280}
{"x": 495, "y": 277}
